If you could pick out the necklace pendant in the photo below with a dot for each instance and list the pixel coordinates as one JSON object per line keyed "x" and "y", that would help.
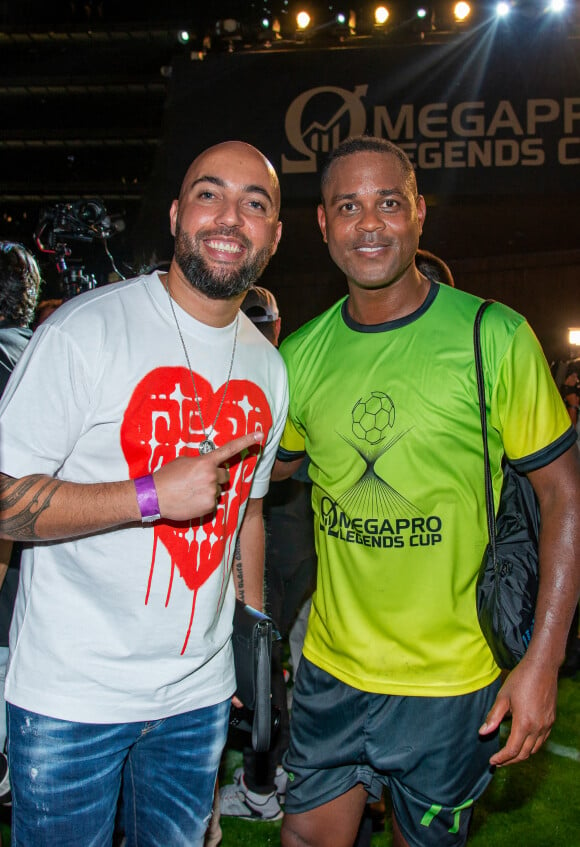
{"x": 206, "y": 446}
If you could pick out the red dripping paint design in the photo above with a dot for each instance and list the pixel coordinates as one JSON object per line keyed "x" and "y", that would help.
{"x": 161, "y": 423}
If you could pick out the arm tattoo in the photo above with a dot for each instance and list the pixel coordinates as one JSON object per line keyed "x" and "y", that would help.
{"x": 22, "y": 502}
{"x": 239, "y": 567}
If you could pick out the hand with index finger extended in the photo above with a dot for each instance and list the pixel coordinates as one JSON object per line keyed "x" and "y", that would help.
{"x": 232, "y": 448}
{"x": 187, "y": 487}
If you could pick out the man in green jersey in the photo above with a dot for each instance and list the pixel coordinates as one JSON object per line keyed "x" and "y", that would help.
{"x": 398, "y": 687}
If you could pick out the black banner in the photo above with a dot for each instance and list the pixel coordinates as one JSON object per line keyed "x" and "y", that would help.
{"x": 478, "y": 115}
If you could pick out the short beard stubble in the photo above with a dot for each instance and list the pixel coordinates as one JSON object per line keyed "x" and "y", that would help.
{"x": 216, "y": 284}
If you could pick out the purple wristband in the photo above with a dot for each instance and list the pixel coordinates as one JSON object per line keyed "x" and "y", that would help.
{"x": 147, "y": 498}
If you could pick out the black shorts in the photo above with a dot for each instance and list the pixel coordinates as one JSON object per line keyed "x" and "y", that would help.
{"x": 426, "y": 750}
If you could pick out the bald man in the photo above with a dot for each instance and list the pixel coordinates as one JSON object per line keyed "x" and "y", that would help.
{"x": 137, "y": 482}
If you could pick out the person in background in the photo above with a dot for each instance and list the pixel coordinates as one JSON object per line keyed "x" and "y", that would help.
{"x": 137, "y": 484}
{"x": 259, "y": 787}
{"x": 397, "y": 686}
{"x": 20, "y": 281}
{"x": 261, "y": 307}
{"x": 44, "y": 309}
{"x": 570, "y": 391}
{"x": 433, "y": 267}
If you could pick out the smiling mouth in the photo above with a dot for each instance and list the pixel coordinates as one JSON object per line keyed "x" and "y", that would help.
{"x": 224, "y": 246}
{"x": 375, "y": 247}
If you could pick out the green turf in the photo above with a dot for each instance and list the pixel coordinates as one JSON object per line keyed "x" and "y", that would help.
{"x": 533, "y": 804}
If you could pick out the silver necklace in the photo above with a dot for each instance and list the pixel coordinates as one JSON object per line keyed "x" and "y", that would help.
{"x": 207, "y": 445}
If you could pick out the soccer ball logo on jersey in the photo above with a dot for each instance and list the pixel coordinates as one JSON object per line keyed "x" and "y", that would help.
{"x": 373, "y": 416}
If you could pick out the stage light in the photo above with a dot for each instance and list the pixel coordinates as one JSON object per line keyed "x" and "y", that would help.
{"x": 183, "y": 36}
{"x": 269, "y": 31}
{"x": 228, "y": 34}
{"x": 424, "y": 21}
{"x": 381, "y": 15}
{"x": 461, "y": 11}
{"x": 574, "y": 336}
{"x": 230, "y": 26}
{"x": 302, "y": 20}
{"x": 557, "y": 6}
{"x": 344, "y": 25}
{"x": 502, "y": 9}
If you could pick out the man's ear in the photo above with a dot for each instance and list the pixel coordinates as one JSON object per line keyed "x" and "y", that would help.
{"x": 277, "y": 237}
{"x": 322, "y": 221}
{"x": 173, "y": 216}
{"x": 421, "y": 211}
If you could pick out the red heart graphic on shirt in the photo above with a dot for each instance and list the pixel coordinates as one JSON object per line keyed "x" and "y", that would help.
{"x": 161, "y": 423}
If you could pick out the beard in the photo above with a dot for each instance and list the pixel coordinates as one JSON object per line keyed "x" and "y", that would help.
{"x": 217, "y": 284}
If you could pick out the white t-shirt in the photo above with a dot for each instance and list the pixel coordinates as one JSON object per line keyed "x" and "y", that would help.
{"x": 133, "y": 623}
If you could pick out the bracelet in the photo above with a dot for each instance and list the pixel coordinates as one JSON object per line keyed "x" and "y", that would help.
{"x": 147, "y": 499}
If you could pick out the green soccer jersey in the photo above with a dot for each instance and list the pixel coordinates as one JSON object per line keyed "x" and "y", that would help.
{"x": 389, "y": 416}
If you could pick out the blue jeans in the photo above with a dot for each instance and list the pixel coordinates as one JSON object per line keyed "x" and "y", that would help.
{"x": 66, "y": 778}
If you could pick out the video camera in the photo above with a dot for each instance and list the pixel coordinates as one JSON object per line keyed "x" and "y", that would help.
{"x": 82, "y": 221}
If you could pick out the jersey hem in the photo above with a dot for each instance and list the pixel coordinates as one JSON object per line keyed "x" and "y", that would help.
{"x": 402, "y": 689}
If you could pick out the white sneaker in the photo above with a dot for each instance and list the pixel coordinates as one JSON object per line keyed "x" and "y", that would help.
{"x": 237, "y": 801}
{"x": 280, "y": 781}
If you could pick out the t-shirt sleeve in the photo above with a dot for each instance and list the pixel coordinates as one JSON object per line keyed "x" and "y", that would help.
{"x": 527, "y": 407}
